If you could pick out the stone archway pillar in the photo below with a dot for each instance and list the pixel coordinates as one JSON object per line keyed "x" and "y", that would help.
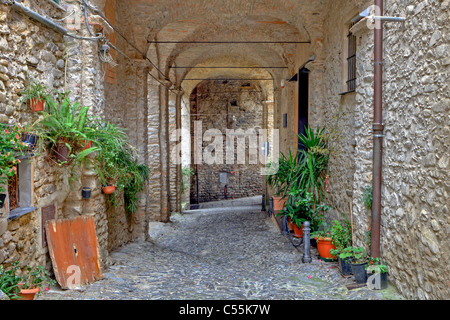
{"x": 164, "y": 153}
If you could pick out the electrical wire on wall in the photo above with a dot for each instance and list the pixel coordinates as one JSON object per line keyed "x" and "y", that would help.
{"x": 98, "y": 12}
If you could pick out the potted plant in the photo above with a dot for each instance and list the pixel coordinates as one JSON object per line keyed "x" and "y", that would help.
{"x": 11, "y": 148}
{"x": 278, "y": 182}
{"x": 25, "y": 286}
{"x": 297, "y": 210}
{"x": 36, "y": 96}
{"x": 32, "y": 281}
{"x": 64, "y": 126}
{"x": 375, "y": 266}
{"x": 341, "y": 233}
{"x": 325, "y": 242}
{"x": 358, "y": 262}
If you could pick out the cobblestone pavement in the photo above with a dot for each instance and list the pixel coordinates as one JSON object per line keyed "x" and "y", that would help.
{"x": 220, "y": 254}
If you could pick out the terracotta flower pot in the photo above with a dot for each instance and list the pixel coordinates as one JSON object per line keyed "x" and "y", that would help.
{"x": 298, "y": 232}
{"x": 28, "y": 294}
{"x": 290, "y": 224}
{"x": 109, "y": 189}
{"x": 278, "y": 203}
{"x": 324, "y": 244}
{"x": 36, "y": 105}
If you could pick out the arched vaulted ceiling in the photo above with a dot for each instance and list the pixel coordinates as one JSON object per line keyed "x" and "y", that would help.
{"x": 169, "y": 31}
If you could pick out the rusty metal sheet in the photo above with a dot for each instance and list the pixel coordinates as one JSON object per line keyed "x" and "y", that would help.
{"x": 74, "y": 251}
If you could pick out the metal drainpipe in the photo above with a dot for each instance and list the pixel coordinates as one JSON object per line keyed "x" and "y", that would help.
{"x": 196, "y": 147}
{"x": 378, "y": 130}
{"x": 36, "y": 16}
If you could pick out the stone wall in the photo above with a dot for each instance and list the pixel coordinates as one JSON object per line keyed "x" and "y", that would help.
{"x": 28, "y": 49}
{"x": 414, "y": 221}
{"x": 219, "y": 110}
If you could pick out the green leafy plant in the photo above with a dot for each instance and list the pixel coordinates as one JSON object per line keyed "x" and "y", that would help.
{"x": 137, "y": 178}
{"x": 324, "y": 231}
{"x": 301, "y": 207}
{"x": 356, "y": 254}
{"x": 313, "y": 162}
{"x": 65, "y": 124}
{"x": 285, "y": 171}
{"x": 11, "y": 148}
{"x": 375, "y": 265}
{"x": 9, "y": 281}
{"x": 117, "y": 164}
{"x": 35, "y": 90}
{"x": 367, "y": 198}
{"x": 36, "y": 277}
{"x": 185, "y": 172}
{"x": 341, "y": 232}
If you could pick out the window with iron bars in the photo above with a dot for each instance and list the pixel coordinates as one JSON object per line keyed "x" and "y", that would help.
{"x": 351, "y": 61}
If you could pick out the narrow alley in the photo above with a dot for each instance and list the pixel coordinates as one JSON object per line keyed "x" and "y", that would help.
{"x": 228, "y": 253}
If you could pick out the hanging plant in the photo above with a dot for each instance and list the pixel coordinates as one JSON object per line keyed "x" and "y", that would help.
{"x": 35, "y": 94}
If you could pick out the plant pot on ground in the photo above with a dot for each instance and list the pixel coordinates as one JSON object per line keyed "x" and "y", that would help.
{"x": 298, "y": 231}
{"x": 278, "y": 203}
{"x": 374, "y": 266}
{"x": 27, "y": 294}
{"x": 358, "y": 264}
{"x": 25, "y": 286}
{"x": 324, "y": 245}
{"x": 341, "y": 233}
{"x": 32, "y": 281}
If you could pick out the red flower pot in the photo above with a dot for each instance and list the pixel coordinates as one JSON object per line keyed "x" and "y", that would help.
{"x": 324, "y": 244}
{"x": 36, "y": 105}
{"x": 109, "y": 189}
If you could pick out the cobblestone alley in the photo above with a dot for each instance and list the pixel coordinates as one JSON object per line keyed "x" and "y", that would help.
{"x": 221, "y": 254}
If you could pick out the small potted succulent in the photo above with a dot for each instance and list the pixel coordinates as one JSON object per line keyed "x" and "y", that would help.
{"x": 375, "y": 266}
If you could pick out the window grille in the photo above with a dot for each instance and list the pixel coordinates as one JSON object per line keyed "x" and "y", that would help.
{"x": 351, "y": 61}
